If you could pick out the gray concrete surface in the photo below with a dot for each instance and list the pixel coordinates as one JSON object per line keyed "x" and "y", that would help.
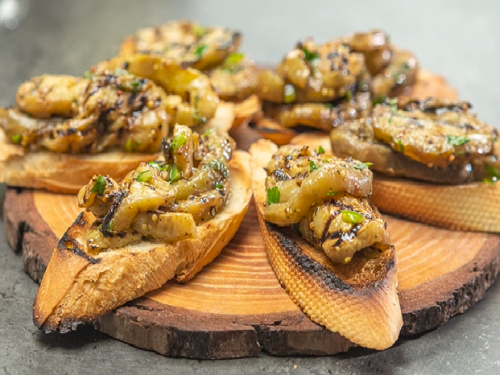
{"x": 459, "y": 39}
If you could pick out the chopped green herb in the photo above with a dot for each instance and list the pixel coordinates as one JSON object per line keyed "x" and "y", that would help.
{"x": 312, "y": 166}
{"x": 352, "y": 217}
{"x": 179, "y": 141}
{"x": 111, "y": 225}
{"x": 273, "y": 195}
{"x": 348, "y": 96}
{"x": 234, "y": 58}
{"x": 457, "y": 140}
{"x": 493, "y": 175}
{"x": 218, "y": 166}
{"x": 128, "y": 147}
{"x": 379, "y": 100}
{"x": 99, "y": 186}
{"x": 329, "y": 105}
{"x": 321, "y": 150}
{"x": 492, "y": 171}
{"x": 401, "y": 146}
{"x": 175, "y": 174}
{"x": 136, "y": 85}
{"x": 157, "y": 165}
{"x": 219, "y": 186}
{"x": 199, "y": 51}
{"x": 16, "y": 138}
{"x": 361, "y": 166}
{"x": 290, "y": 95}
{"x": 195, "y": 107}
{"x": 489, "y": 182}
{"x": 88, "y": 75}
{"x": 331, "y": 193}
{"x": 209, "y": 132}
{"x": 75, "y": 101}
{"x": 198, "y": 30}
{"x": 393, "y": 104}
{"x": 310, "y": 56}
{"x": 390, "y": 119}
{"x": 145, "y": 176}
{"x": 121, "y": 72}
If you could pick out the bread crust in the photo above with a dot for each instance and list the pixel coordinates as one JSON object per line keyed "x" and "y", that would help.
{"x": 352, "y": 300}
{"x": 78, "y": 288}
{"x": 67, "y": 173}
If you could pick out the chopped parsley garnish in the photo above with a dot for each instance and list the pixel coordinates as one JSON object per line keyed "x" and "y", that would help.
{"x": 111, "y": 225}
{"x": 348, "y": 96}
{"x": 199, "y": 51}
{"x": 195, "y": 107}
{"x": 179, "y": 141}
{"x": 321, "y": 150}
{"x": 329, "y": 105}
{"x": 361, "y": 166}
{"x": 379, "y": 100}
{"x": 290, "y": 94}
{"x": 145, "y": 176}
{"x": 129, "y": 145}
{"x": 235, "y": 58}
{"x": 75, "y": 101}
{"x": 393, "y": 104}
{"x": 99, "y": 186}
{"x": 157, "y": 165}
{"x": 488, "y": 181}
{"x": 273, "y": 195}
{"x": 218, "y": 166}
{"x": 352, "y": 217}
{"x": 493, "y": 175}
{"x": 312, "y": 166}
{"x": 310, "y": 56}
{"x": 198, "y": 30}
{"x": 219, "y": 186}
{"x": 136, "y": 85}
{"x": 455, "y": 140}
{"x": 175, "y": 174}
{"x": 88, "y": 75}
{"x": 332, "y": 193}
{"x": 16, "y": 138}
{"x": 121, "y": 72}
{"x": 401, "y": 146}
{"x": 209, "y": 132}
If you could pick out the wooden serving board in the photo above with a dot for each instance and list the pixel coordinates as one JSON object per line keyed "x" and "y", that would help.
{"x": 235, "y": 307}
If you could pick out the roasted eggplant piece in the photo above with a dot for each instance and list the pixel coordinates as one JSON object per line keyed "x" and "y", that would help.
{"x": 236, "y": 78}
{"x": 432, "y": 140}
{"x": 93, "y": 114}
{"x": 184, "y": 43}
{"x": 327, "y": 197}
{"x": 163, "y": 199}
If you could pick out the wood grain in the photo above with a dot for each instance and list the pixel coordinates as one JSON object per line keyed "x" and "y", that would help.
{"x": 235, "y": 307}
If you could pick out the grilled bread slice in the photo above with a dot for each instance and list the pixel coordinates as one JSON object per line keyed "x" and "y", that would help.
{"x": 78, "y": 286}
{"x": 67, "y": 173}
{"x": 358, "y": 299}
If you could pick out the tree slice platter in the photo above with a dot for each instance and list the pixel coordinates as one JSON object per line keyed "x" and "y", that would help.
{"x": 236, "y": 307}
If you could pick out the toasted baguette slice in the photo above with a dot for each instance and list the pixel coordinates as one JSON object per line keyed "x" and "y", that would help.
{"x": 67, "y": 173}
{"x": 474, "y": 206}
{"x": 357, "y": 300}
{"x": 78, "y": 288}
{"x": 245, "y": 110}
{"x": 427, "y": 85}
